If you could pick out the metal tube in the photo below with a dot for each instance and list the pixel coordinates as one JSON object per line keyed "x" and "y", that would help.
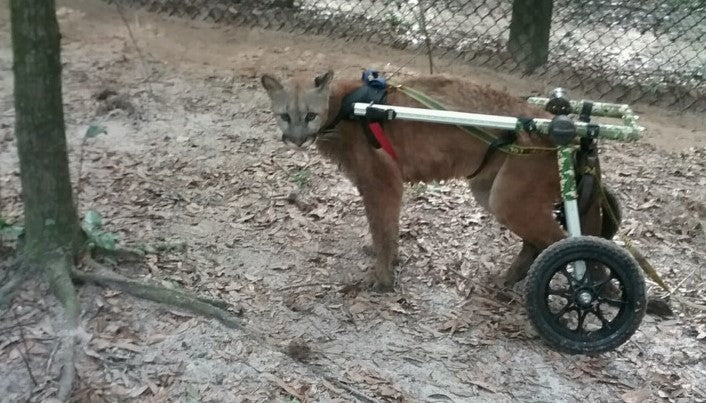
{"x": 573, "y": 222}
{"x": 447, "y": 117}
{"x": 604, "y": 109}
{"x": 611, "y": 132}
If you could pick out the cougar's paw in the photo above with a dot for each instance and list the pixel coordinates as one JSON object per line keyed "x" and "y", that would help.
{"x": 510, "y": 279}
{"x": 380, "y": 282}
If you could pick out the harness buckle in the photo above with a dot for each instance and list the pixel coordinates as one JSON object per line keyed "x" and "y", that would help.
{"x": 376, "y": 114}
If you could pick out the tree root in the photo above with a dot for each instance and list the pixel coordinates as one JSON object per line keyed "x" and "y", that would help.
{"x": 58, "y": 269}
{"x": 138, "y": 251}
{"x": 203, "y": 306}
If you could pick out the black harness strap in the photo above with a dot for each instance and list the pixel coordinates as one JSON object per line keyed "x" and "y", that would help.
{"x": 369, "y": 134}
{"x": 586, "y": 109}
{"x": 366, "y": 94}
{"x": 508, "y": 137}
{"x": 586, "y": 163}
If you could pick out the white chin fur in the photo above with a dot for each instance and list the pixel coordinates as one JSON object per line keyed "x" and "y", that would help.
{"x": 309, "y": 141}
{"x": 289, "y": 144}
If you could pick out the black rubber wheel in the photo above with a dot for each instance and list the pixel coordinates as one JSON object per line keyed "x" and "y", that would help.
{"x": 610, "y": 224}
{"x": 589, "y": 316}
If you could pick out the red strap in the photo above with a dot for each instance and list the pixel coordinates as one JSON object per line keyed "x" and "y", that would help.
{"x": 379, "y": 134}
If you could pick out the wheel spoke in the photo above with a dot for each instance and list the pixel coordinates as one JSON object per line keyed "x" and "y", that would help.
{"x": 598, "y": 286}
{"x": 582, "y": 316}
{"x": 569, "y": 278}
{"x": 563, "y": 292}
{"x": 568, "y": 307}
{"x": 599, "y": 314}
{"x": 612, "y": 302}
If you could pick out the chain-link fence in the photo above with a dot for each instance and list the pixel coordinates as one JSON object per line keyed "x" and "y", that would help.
{"x": 651, "y": 51}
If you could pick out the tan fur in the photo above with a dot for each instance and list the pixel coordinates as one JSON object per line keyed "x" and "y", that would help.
{"x": 519, "y": 190}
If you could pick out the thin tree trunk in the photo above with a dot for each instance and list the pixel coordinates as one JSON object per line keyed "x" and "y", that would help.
{"x": 50, "y": 215}
{"x": 529, "y": 32}
{"x": 52, "y": 232}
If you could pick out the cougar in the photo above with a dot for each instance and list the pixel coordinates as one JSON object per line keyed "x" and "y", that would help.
{"x": 519, "y": 190}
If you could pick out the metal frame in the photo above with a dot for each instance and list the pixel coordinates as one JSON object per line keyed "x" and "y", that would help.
{"x": 629, "y": 131}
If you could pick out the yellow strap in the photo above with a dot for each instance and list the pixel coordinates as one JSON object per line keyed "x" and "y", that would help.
{"x": 639, "y": 257}
{"x": 477, "y": 132}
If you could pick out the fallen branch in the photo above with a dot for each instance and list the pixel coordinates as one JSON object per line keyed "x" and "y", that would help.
{"x": 181, "y": 299}
{"x": 138, "y": 251}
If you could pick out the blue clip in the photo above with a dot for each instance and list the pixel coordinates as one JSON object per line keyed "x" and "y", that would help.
{"x": 372, "y": 78}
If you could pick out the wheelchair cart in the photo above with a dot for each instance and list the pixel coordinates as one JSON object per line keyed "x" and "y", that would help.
{"x": 583, "y": 294}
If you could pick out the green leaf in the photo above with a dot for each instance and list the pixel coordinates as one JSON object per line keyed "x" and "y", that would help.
{"x": 95, "y": 130}
{"x": 92, "y": 221}
{"x": 105, "y": 240}
{"x": 10, "y": 232}
{"x": 92, "y": 225}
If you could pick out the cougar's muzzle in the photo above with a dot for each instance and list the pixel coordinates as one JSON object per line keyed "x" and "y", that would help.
{"x": 299, "y": 141}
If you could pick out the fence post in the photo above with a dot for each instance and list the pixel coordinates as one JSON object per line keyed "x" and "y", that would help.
{"x": 529, "y": 32}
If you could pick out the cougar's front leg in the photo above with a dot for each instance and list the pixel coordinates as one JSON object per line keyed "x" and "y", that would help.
{"x": 381, "y": 188}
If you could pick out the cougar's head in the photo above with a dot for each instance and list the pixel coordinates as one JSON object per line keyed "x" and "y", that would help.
{"x": 300, "y": 106}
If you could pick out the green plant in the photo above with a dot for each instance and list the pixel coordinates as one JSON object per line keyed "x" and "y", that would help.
{"x": 302, "y": 177}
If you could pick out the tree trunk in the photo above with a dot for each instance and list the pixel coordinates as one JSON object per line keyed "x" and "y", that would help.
{"x": 52, "y": 231}
{"x": 529, "y": 32}
{"x": 50, "y": 215}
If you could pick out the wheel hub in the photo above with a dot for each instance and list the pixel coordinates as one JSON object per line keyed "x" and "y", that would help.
{"x": 584, "y": 298}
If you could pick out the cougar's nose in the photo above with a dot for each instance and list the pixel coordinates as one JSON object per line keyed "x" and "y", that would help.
{"x": 298, "y": 140}
{"x": 292, "y": 140}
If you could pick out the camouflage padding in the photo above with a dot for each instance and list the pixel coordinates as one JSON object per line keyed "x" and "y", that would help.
{"x": 604, "y": 109}
{"x": 605, "y": 131}
{"x": 566, "y": 173}
{"x": 631, "y": 131}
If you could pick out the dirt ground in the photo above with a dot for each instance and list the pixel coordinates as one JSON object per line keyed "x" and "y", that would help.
{"x": 192, "y": 155}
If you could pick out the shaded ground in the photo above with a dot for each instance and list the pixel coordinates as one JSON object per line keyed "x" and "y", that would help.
{"x": 195, "y": 158}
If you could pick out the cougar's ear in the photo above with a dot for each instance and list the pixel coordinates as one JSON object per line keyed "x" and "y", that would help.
{"x": 271, "y": 84}
{"x": 323, "y": 80}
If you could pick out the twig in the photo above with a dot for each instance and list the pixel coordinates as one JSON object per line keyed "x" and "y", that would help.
{"x": 690, "y": 304}
{"x": 51, "y": 356}
{"x": 140, "y": 55}
{"x": 358, "y": 395}
{"x": 24, "y": 343}
{"x": 79, "y": 174}
{"x": 16, "y": 325}
{"x": 294, "y": 286}
{"x": 180, "y": 299}
{"x": 676, "y": 287}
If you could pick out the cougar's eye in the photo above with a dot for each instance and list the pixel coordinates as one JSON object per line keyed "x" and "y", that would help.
{"x": 310, "y": 116}
{"x": 285, "y": 117}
